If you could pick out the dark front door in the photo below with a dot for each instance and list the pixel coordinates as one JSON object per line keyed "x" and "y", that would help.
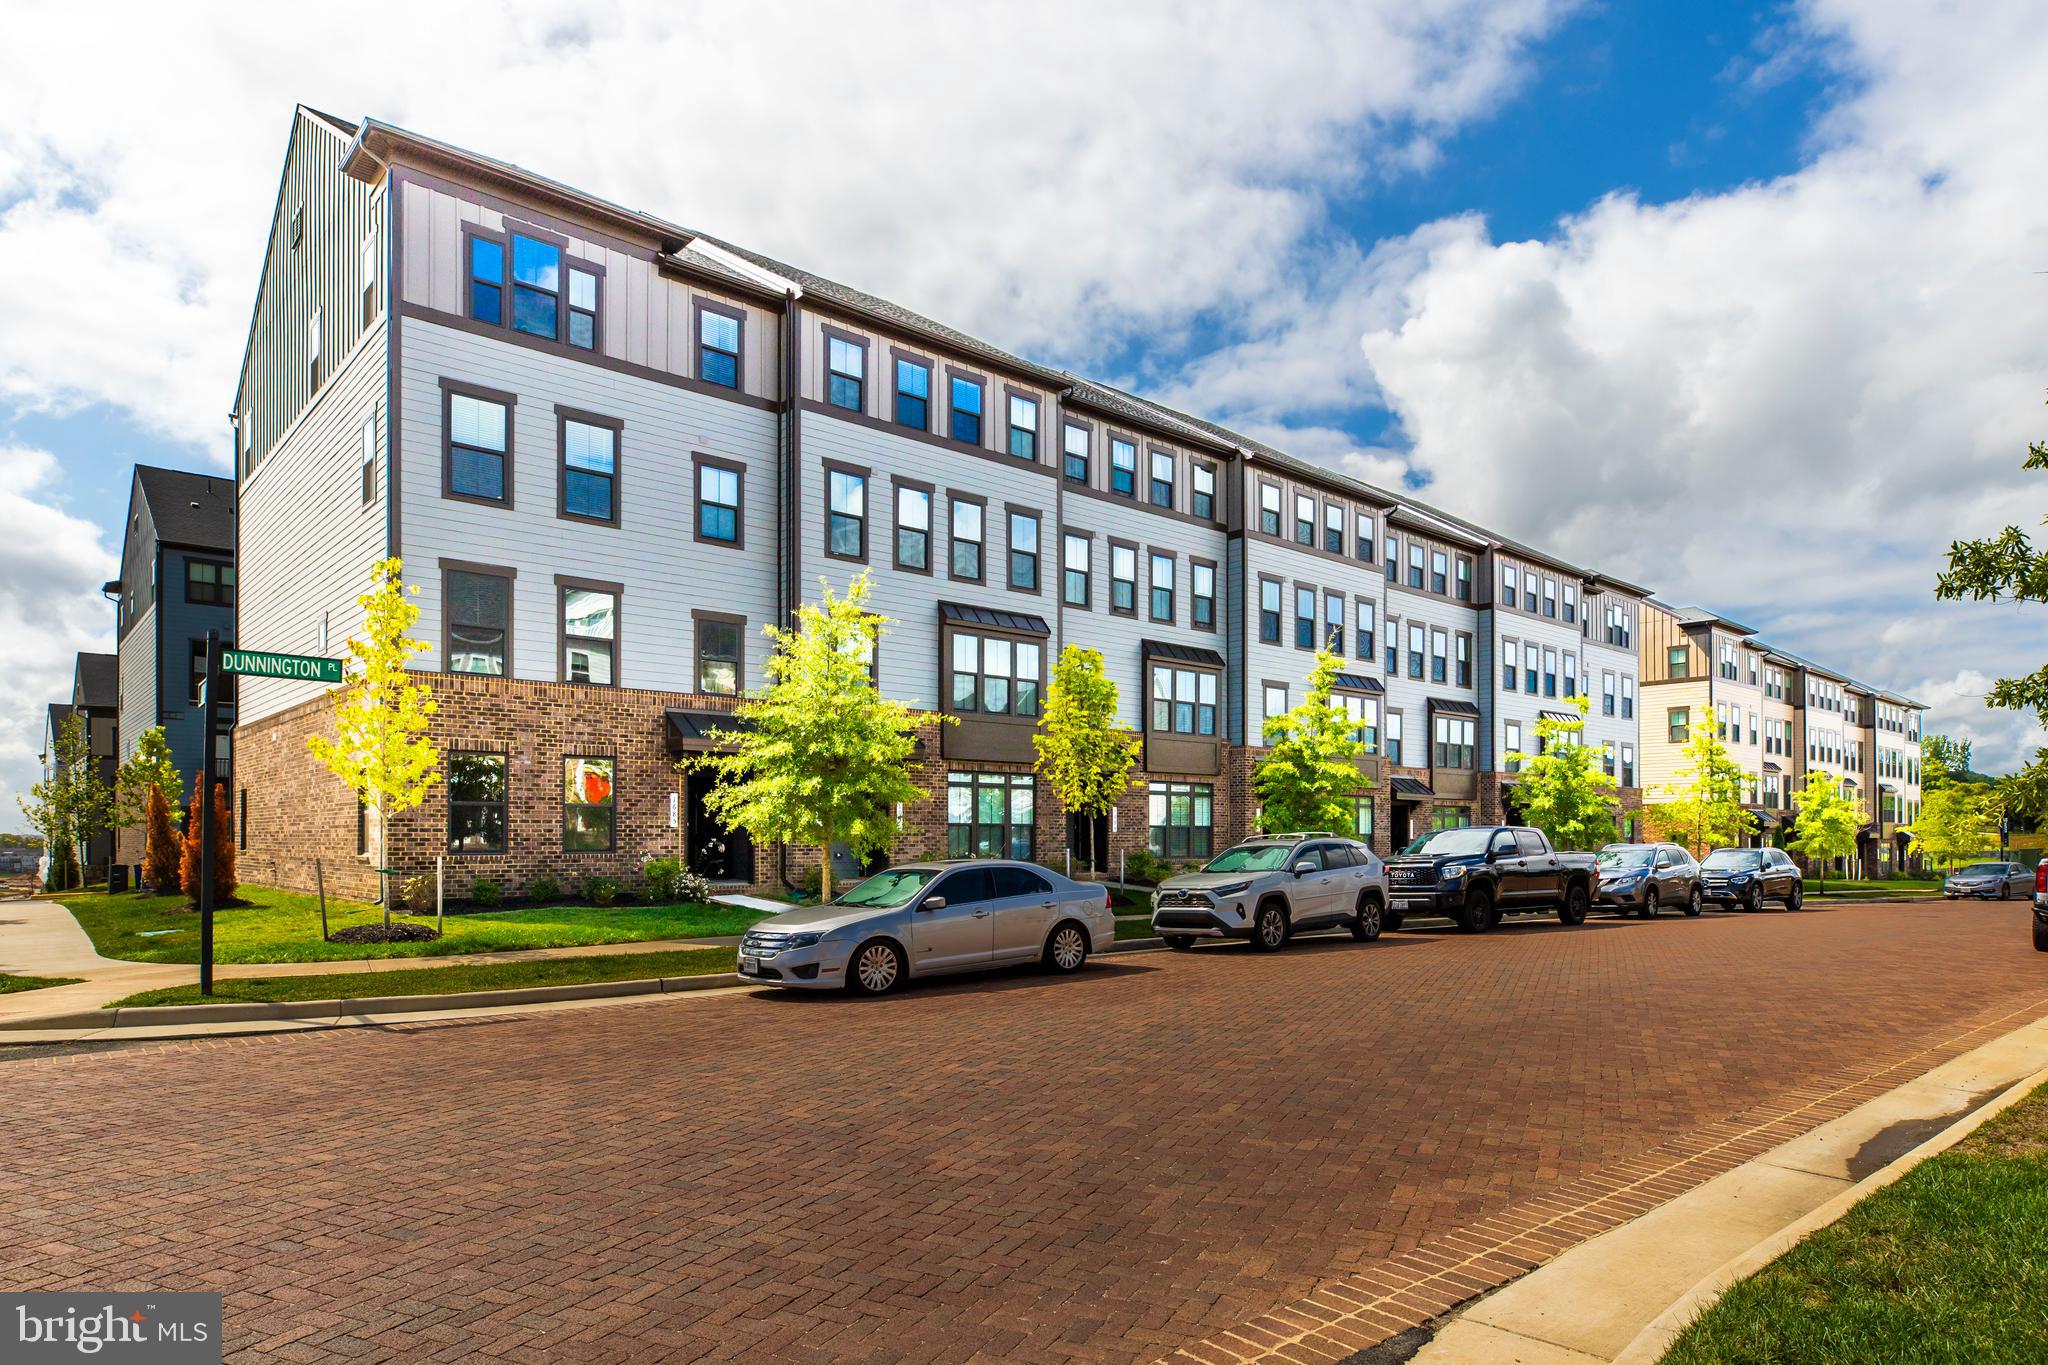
{"x": 714, "y": 851}
{"x": 1398, "y": 833}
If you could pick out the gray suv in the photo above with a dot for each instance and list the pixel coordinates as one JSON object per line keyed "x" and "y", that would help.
{"x": 1268, "y": 889}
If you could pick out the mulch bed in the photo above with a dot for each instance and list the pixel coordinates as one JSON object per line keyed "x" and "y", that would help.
{"x": 398, "y": 932}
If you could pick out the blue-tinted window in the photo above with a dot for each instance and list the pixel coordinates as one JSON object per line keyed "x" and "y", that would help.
{"x": 847, "y": 370}
{"x": 476, "y": 447}
{"x": 718, "y": 349}
{"x": 486, "y": 280}
{"x": 913, "y": 395}
{"x": 1123, "y": 467}
{"x": 589, "y": 470}
{"x": 536, "y": 286}
{"x": 718, "y": 503}
{"x": 966, "y": 412}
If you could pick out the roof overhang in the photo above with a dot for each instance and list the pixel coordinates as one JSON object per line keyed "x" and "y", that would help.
{"x": 1014, "y": 622}
{"x": 1180, "y": 654}
{"x": 1359, "y": 682}
{"x": 1411, "y": 787}
{"x": 692, "y": 730}
{"x": 1452, "y": 707}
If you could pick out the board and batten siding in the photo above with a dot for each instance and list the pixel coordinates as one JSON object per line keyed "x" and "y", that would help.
{"x": 1284, "y": 662}
{"x": 645, "y": 317}
{"x": 307, "y": 539}
{"x": 138, "y": 680}
{"x": 653, "y": 553}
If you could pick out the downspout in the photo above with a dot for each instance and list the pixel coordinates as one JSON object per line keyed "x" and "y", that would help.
{"x": 786, "y": 484}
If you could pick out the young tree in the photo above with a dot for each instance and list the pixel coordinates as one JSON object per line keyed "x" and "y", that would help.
{"x": 819, "y": 756}
{"x": 1704, "y": 806}
{"x": 381, "y": 712}
{"x": 1941, "y": 759}
{"x": 1562, "y": 790}
{"x": 1958, "y": 820}
{"x": 162, "y": 850}
{"x": 1827, "y": 823}
{"x": 72, "y": 805}
{"x": 224, "y": 883}
{"x": 1309, "y": 775}
{"x": 1084, "y": 755}
{"x": 151, "y": 769}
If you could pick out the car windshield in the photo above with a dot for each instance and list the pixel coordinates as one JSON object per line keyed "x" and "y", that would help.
{"x": 1738, "y": 859}
{"x": 894, "y": 887}
{"x": 1251, "y": 858}
{"x": 1983, "y": 870}
{"x": 1625, "y": 857}
{"x": 1453, "y": 843}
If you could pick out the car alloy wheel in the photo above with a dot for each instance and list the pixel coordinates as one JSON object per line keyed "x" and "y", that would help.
{"x": 1796, "y": 899}
{"x": 1067, "y": 948}
{"x": 1692, "y": 904}
{"x": 1366, "y": 927}
{"x": 1753, "y": 899}
{"x": 1478, "y": 913}
{"x": 877, "y": 968}
{"x": 1650, "y": 903}
{"x": 1269, "y": 932}
{"x": 1573, "y": 910}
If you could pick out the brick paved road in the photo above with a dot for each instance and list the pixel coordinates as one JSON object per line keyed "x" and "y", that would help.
{"x": 1106, "y": 1167}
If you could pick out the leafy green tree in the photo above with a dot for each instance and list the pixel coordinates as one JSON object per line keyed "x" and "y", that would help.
{"x": 1827, "y": 823}
{"x": 71, "y": 806}
{"x": 1941, "y": 759}
{"x": 1562, "y": 790}
{"x": 1084, "y": 755}
{"x": 2024, "y": 794}
{"x": 1703, "y": 805}
{"x": 819, "y": 756}
{"x": 1309, "y": 775}
{"x": 150, "y": 768}
{"x": 382, "y": 709}
{"x": 1957, "y": 821}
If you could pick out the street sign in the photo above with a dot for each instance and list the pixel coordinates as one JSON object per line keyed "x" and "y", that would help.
{"x": 298, "y": 667}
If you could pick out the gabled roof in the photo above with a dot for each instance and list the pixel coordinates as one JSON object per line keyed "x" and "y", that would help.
{"x": 96, "y": 682}
{"x": 193, "y": 510}
{"x": 59, "y": 713}
{"x": 1699, "y": 616}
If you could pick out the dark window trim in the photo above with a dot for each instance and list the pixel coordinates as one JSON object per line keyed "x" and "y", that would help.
{"x": 931, "y": 371}
{"x": 1087, "y": 602}
{"x": 366, "y": 470}
{"x": 220, "y": 598}
{"x": 833, "y": 333}
{"x": 739, "y": 668}
{"x": 612, "y": 806}
{"x": 450, "y": 388}
{"x": 510, "y": 575}
{"x": 1279, "y": 639}
{"x": 951, "y": 630}
{"x": 564, "y": 583}
{"x": 1215, "y": 488}
{"x": 698, "y": 461}
{"x": 1315, "y": 613}
{"x": 1258, "y": 524}
{"x": 981, "y": 382}
{"x": 699, "y": 306}
{"x": 565, "y": 415}
{"x": 931, "y": 530}
{"x": 569, "y": 263}
{"x": 504, "y": 758}
{"x": 867, "y": 507}
{"x": 516, "y": 228}
{"x": 953, "y": 495}
{"x": 1039, "y": 403}
{"x": 1154, "y": 662}
{"x": 1215, "y": 582}
{"x": 1137, "y": 554}
{"x": 1173, "y": 485}
{"x": 1137, "y": 446}
{"x": 1172, "y": 616}
{"x": 1087, "y": 459}
{"x": 1037, "y": 515}
{"x": 504, "y": 241}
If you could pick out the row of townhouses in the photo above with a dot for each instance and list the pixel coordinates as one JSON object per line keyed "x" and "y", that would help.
{"x": 611, "y": 450}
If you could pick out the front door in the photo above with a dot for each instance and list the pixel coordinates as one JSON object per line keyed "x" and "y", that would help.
{"x": 713, "y": 850}
{"x": 959, "y": 934}
{"x": 1398, "y": 833}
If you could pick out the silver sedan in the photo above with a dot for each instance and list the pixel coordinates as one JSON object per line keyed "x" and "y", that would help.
{"x": 1991, "y": 881}
{"x": 930, "y": 919}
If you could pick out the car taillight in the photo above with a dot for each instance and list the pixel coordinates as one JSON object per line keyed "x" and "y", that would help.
{"x": 1105, "y": 896}
{"x": 2041, "y": 875}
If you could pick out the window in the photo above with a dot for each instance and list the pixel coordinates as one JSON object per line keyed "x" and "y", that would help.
{"x": 1024, "y": 551}
{"x": 1607, "y": 694}
{"x": 1269, "y": 509}
{"x": 487, "y": 280}
{"x": 476, "y": 803}
{"x": 536, "y": 286}
{"x": 479, "y": 446}
{"x": 1363, "y": 534}
{"x": 590, "y": 468}
{"x": 590, "y": 633}
{"x": 989, "y": 815}
{"x": 366, "y": 276}
{"x": 1304, "y": 519}
{"x": 846, "y": 373}
{"x": 1333, "y": 621}
{"x": 1333, "y": 528}
{"x": 1363, "y": 646}
{"x": 1077, "y": 556}
{"x": 1675, "y": 661}
{"x": 209, "y": 583}
{"x": 298, "y": 226}
{"x": 1275, "y": 700}
{"x": 1269, "y": 610}
{"x": 1439, "y": 656}
{"x": 1161, "y": 491}
{"x": 1123, "y": 579}
{"x": 995, "y": 676}
{"x": 1024, "y": 427}
{"x": 1607, "y": 757}
{"x": 718, "y": 502}
{"x": 846, "y": 527}
{"x": 1202, "y": 591}
{"x": 718, "y": 347}
{"x": 1415, "y": 553}
{"x": 1464, "y": 661}
{"x": 195, "y": 674}
{"x": 478, "y": 611}
{"x": 913, "y": 528}
{"x": 1511, "y": 744}
{"x": 1162, "y": 586}
{"x": 1450, "y": 817}
{"x": 313, "y": 352}
{"x": 582, "y": 308}
{"x": 1181, "y": 819}
{"x": 1464, "y": 579}
{"x": 1414, "y": 649}
{"x": 1628, "y": 697}
{"x": 1123, "y": 467}
{"x": 1452, "y": 740}
{"x": 587, "y": 797}
{"x": 1680, "y": 725}
{"x": 1183, "y": 701}
{"x": 1510, "y": 665}
{"x": 1361, "y": 818}
{"x": 1571, "y": 602}
{"x": 1305, "y": 618}
{"x": 1550, "y": 597}
{"x": 913, "y": 394}
{"x": 966, "y": 538}
{"x": 1393, "y": 647}
{"x": 1531, "y": 658}
{"x": 369, "y": 458}
{"x": 1549, "y": 672}
{"x": 1571, "y": 674}
{"x": 1439, "y": 572}
{"x": 1394, "y": 739}
{"x": 1507, "y": 585}
{"x": 1202, "y": 480}
{"x": 1628, "y": 765}
{"x": 718, "y": 655}
{"x": 964, "y": 409}
{"x": 1074, "y": 445}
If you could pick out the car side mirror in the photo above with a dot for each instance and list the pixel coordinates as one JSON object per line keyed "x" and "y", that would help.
{"x": 933, "y": 903}
{"x": 1302, "y": 869}
{"x": 1493, "y": 855}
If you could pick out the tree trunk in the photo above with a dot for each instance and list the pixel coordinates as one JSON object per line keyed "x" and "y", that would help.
{"x": 377, "y": 847}
{"x": 825, "y": 867}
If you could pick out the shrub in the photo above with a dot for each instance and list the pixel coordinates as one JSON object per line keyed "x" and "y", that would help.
{"x": 811, "y": 882}
{"x": 693, "y": 886}
{"x": 484, "y": 891}
{"x": 162, "y": 849}
{"x": 664, "y": 875}
{"x": 415, "y": 894}
{"x": 601, "y": 890}
{"x": 544, "y": 889}
{"x": 224, "y": 883}
{"x": 1141, "y": 866}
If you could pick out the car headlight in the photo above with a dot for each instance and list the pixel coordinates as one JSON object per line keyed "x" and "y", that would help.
{"x": 803, "y": 940}
{"x": 1224, "y": 893}
{"x": 1454, "y": 871}
{"x": 1738, "y": 878}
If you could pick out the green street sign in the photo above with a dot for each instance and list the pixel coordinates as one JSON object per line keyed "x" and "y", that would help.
{"x": 296, "y": 667}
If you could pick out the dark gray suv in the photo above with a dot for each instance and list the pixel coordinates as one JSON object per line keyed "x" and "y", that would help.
{"x": 1270, "y": 888}
{"x": 1640, "y": 879}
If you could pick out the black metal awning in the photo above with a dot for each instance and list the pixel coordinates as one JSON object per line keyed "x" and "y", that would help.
{"x": 1764, "y": 818}
{"x": 1561, "y": 717}
{"x": 690, "y": 731}
{"x": 1181, "y": 654}
{"x": 1412, "y": 787}
{"x": 1016, "y": 622}
{"x": 1452, "y": 707}
{"x": 1358, "y": 682}
{"x": 1771, "y": 767}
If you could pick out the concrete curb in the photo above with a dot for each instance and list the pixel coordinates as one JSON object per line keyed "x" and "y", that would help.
{"x": 1657, "y": 1337}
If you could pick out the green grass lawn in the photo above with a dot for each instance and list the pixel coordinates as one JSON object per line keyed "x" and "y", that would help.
{"x": 1134, "y": 926}
{"x": 11, "y": 984}
{"x": 1130, "y": 901}
{"x": 483, "y": 976}
{"x": 1947, "y": 1265}
{"x": 284, "y": 926}
{"x": 1832, "y": 885}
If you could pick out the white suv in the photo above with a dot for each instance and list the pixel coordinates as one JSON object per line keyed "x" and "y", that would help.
{"x": 1268, "y": 889}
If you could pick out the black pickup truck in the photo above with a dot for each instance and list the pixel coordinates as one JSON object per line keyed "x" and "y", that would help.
{"x": 1477, "y": 874}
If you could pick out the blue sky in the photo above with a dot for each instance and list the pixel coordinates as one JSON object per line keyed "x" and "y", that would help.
{"x": 1732, "y": 300}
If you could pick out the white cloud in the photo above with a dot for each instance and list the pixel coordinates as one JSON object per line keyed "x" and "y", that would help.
{"x": 1782, "y": 401}
{"x": 52, "y": 564}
